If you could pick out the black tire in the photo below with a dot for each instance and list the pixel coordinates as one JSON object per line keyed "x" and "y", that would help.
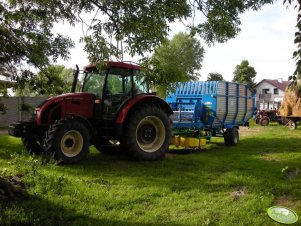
{"x": 68, "y": 140}
{"x": 264, "y": 121}
{"x": 33, "y": 145}
{"x": 231, "y": 136}
{"x": 107, "y": 147}
{"x": 292, "y": 124}
{"x": 148, "y": 133}
{"x": 257, "y": 119}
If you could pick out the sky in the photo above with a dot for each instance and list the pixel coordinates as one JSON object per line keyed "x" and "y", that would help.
{"x": 266, "y": 40}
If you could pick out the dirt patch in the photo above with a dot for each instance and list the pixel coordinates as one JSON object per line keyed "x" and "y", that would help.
{"x": 290, "y": 173}
{"x": 248, "y": 131}
{"x": 11, "y": 187}
{"x": 268, "y": 157}
{"x": 3, "y": 132}
{"x": 287, "y": 201}
{"x": 238, "y": 193}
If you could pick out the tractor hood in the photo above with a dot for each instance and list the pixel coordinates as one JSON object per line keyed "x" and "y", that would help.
{"x": 66, "y": 96}
{"x": 70, "y": 104}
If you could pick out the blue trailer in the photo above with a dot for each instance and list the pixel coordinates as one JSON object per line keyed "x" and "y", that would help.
{"x": 206, "y": 109}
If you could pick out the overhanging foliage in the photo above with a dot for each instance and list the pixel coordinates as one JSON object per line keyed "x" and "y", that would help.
{"x": 139, "y": 26}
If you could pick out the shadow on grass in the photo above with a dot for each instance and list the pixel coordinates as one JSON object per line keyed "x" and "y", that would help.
{"x": 197, "y": 170}
{"x": 33, "y": 210}
{"x": 7, "y": 147}
{"x": 217, "y": 169}
{"x": 185, "y": 151}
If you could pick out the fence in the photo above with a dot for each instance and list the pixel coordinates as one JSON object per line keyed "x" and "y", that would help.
{"x": 14, "y": 113}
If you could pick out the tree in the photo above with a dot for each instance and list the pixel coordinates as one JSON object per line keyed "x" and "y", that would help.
{"x": 4, "y": 85}
{"x": 26, "y": 38}
{"x": 297, "y": 54}
{"x": 52, "y": 80}
{"x": 214, "y": 76}
{"x": 178, "y": 60}
{"x": 244, "y": 74}
{"x": 140, "y": 25}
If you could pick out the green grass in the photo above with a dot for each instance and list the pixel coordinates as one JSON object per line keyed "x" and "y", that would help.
{"x": 218, "y": 186}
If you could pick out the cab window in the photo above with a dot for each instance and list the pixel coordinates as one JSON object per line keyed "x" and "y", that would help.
{"x": 94, "y": 83}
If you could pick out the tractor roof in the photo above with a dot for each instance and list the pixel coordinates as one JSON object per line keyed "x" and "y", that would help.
{"x": 126, "y": 65}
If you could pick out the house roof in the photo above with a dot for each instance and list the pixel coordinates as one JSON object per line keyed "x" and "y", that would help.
{"x": 274, "y": 82}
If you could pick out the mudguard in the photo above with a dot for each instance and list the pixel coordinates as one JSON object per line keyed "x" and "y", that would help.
{"x": 139, "y": 100}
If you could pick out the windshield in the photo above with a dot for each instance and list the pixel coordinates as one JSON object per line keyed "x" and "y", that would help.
{"x": 93, "y": 83}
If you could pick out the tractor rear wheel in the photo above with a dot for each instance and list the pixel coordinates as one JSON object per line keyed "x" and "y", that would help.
{"x": 68, "y": 140}
{"x": 33, "y": 145}
{"x": 231, "y": 136}
{"x": 148, "y": 133}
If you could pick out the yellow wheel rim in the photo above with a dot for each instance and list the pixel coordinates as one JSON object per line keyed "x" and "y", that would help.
{"x": 72, "y": 143}
{"x": 150, "y": 134}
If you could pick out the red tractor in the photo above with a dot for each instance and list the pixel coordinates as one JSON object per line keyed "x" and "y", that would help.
{"x": 264, "y": 117}
{"x": 114, "y": 107}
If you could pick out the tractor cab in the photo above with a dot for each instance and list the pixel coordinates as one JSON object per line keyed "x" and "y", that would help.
{"x": 113, "y": 86}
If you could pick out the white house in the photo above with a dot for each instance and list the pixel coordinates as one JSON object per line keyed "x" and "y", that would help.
{"x": 270, "y": 93}
{"x": 9, "y": 87}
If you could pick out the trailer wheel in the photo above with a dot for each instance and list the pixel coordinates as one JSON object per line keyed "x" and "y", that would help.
{"x": 292, "y": 125}
{"x": 33, "y": 145}
{"x": 68, "y": 141}
{"x": 264, "y": 121}
{"x": 231, "y": 136}
{"x": 148, "y": 133}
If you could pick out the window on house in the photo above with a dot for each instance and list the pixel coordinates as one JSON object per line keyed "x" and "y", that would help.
{"x": 276, "y": 91}
{"x": 265, "y": 91}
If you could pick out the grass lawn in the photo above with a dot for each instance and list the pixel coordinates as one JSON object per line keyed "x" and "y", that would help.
{"x": 218, "y": 186}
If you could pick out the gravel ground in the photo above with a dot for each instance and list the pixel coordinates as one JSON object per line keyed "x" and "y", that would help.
{"x": 3, "y": 132}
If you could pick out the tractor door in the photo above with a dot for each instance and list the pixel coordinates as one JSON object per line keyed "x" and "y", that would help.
{"x": 118, "y": 89}
{"x": 112, "y": 88}
{"x": 94, "y": 82}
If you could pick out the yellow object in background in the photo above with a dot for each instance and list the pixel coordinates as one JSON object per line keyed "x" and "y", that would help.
{"x": 251, "y": 122}
{"x": 188, "y": 142}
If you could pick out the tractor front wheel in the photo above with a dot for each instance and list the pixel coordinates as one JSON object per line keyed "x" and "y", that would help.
{"x": 148, "y": 133}
{"x": 264, "y": 121}
{"x": 68, "y": 141}
{"x": 231, "y": 136}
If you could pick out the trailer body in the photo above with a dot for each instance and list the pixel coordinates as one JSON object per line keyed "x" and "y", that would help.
{"x": 212, "y": 106}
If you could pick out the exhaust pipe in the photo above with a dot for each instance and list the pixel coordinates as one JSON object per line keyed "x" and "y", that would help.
{"x": 76, "y": 72}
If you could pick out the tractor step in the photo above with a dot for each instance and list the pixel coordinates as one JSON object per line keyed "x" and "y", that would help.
{"x": 110, "y": 146}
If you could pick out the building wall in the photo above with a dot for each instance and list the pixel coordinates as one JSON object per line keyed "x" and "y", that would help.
{"x": 275, "y": 99}
{"x": 13, "y": 113}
